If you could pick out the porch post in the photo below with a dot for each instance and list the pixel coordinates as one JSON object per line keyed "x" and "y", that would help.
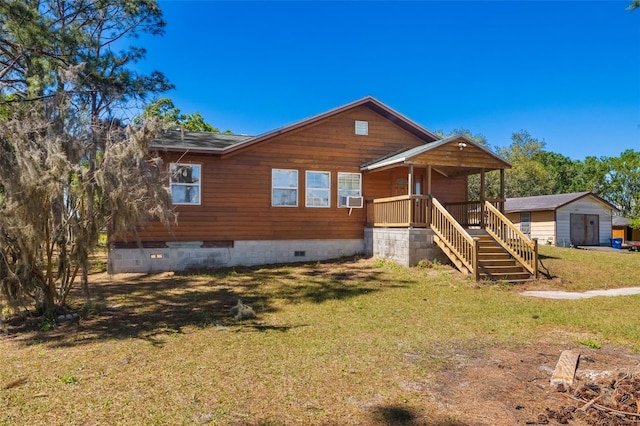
{"x": 482, "y": 197}
{"x": 501, "y": 191}
{"x": 410, "y": 191}
{"x": 428, "y": 194}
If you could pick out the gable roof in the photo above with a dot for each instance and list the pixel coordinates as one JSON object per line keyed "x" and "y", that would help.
{"x": 462, "y": 145}
{"x": 549, "y": 202}
{"x": 222, "y": 145}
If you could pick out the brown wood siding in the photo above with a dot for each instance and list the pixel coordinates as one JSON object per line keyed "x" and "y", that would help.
{"x": 236, "y": 191}
{"x": 452, "y": 156}
{"x": 446, "y": 190}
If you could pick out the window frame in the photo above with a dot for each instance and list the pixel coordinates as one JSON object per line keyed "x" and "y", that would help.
{"x": 361, "y": 128}
{"x": 296, "y": 188}
{"x": 527, "y": 222}
{"x": 327, "y": 189}
{"x": 193, "y": 184}
{"x": 349, "y": 195}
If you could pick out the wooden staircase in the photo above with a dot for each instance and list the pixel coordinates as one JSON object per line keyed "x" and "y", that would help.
{"x": 494, "y": 263}
{"x": 499, "y": 252}
{"x": 452, "y": 255}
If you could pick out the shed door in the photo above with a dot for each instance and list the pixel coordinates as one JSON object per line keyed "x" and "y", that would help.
{"x": 585, "y": 229}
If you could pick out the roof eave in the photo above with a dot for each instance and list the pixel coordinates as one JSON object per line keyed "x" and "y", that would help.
{"x": 191, "y": 150}
{"x": 382, "y": 165}
{"x": 429, "y": 147}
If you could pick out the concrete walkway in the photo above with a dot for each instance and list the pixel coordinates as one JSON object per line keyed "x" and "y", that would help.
{"x": 566, "y": 295}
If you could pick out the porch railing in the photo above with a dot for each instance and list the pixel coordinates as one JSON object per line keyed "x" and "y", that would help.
{"x": 401, "y": 211}
{"x": 472, "y": 213}
{"x": 454, "y": 237}
{"x": 512, "y": 239}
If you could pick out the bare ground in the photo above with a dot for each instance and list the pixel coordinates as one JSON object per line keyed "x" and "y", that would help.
{"x": 511, "y": 386}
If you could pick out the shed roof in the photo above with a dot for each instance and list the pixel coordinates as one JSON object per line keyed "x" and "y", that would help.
{"x": 549, "y": 202}
{"x": 620, "y": 221}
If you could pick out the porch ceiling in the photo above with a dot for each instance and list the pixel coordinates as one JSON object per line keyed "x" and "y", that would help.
{"x": 452, "y": 156}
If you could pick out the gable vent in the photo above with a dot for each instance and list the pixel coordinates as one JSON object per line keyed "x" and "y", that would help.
{"x": 362, "y": 127}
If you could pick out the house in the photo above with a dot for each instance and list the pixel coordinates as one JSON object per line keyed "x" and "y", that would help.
{"x": 563, "y": 220}
{"x": 621, "y": 228}
{"x": 358, "y": 179}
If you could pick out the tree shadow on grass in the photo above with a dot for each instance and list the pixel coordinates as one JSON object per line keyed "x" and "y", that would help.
{"x": 544, "y": 256}
{"x": 396, "y": 415}
{"x": 153, "y": 306}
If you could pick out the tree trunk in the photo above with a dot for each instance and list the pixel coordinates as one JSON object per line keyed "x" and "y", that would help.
{"x": 85, "y": 282}
{"x": 48, "y": 303}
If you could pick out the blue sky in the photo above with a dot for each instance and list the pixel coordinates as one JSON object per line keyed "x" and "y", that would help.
{"x": 567, "y": 72}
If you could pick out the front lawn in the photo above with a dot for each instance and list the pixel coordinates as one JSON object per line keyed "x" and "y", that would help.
{"x": 350, "y": 342}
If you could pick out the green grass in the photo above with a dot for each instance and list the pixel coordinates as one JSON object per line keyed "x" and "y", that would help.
{"x": 581, "y": 270}
{"x": 331, "y": 341}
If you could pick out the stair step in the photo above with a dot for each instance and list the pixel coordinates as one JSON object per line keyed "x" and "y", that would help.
{"x": 497, "y": 253}
{"x": 489, "y": 247}
{"x": 505, "y": 267}
{"x": 507, "y": 273}
{"x": 491, "y": 261}
{"x": 494, "y": 262}
{"x": 506, "y": 270}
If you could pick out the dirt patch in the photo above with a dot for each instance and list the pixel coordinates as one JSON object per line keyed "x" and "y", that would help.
{"x": 511, "y": 386}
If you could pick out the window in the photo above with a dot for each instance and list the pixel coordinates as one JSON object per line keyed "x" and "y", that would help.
{"x": 525, "y": 222}
{"x": 184, "y": 182}
{"x": 349, "y": 185}
{"x": 362, "y": 127}
{"x": 284, "y": 188}
{"x": 318, "y": 189}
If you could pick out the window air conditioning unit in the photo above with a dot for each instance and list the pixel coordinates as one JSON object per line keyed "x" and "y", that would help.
{"x": 354, "y": 202}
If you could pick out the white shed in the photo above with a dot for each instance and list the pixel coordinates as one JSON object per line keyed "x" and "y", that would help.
{"x": 578, "y": 218}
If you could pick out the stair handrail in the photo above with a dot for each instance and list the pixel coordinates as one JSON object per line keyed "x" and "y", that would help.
{"x": 521, "y": 247}
{"x": 455, "y": 237}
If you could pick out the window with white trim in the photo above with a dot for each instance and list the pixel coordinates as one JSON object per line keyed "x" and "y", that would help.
{"x": 184, "y": 183}
{"x": 318, "y": 192}
{"x": 349, "y": 185}
{"x": 284, "y": 188}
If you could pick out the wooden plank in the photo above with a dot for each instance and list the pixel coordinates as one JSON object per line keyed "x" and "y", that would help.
{"x": 565, "y": 371}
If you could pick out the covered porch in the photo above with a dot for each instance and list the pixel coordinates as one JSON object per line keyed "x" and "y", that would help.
{"x": 429, "y": 195}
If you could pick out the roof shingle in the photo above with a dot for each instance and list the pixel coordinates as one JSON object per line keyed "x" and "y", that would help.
{"x": 197, "y": 140}
{"x": 546, "y": 202}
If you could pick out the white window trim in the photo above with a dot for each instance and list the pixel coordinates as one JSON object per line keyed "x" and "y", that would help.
{"x": 338, "y": 188}
{"x": 297, "y": 188}
{"x": 306, "y": 188}
{"x": 198, "y": 184}
{"x": 527, "y": 222}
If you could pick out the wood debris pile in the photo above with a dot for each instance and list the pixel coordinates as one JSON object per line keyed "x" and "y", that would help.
{"x": 602, "y": 402}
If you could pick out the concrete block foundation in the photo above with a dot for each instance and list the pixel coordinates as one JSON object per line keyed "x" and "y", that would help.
{"x": 406, "y": 246}
{"x": 181, "y": 256}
